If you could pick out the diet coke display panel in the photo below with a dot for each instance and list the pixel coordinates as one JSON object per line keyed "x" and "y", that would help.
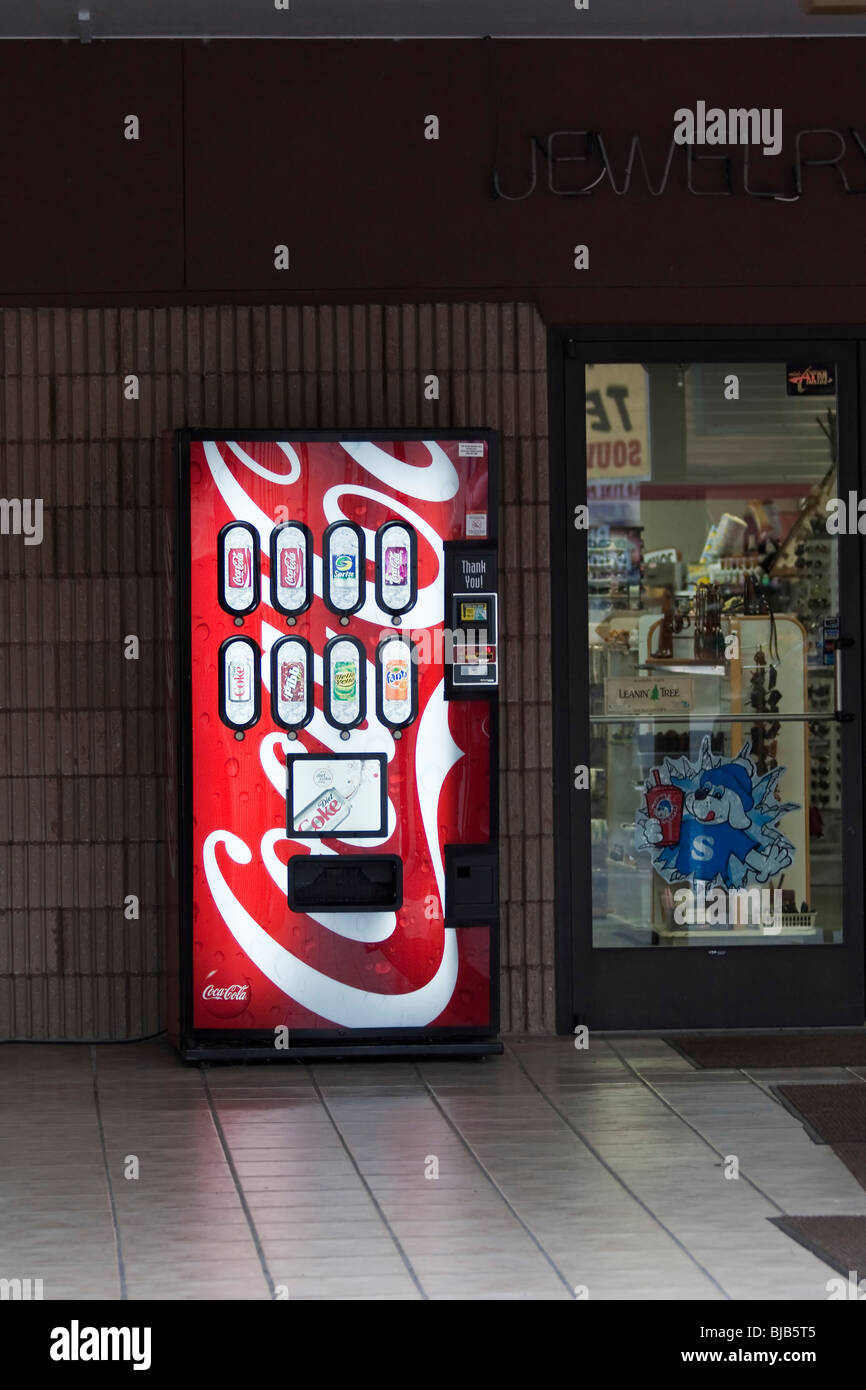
{"x": 331, "y": 768}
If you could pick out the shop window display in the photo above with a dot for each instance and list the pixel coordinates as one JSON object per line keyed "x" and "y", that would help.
{"x": 713, "y": 599}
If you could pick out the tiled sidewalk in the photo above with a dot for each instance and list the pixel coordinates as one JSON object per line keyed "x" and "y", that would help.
{"x": 558, "y": 1170}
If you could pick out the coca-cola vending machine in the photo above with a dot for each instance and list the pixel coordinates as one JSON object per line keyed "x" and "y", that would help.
{"x": 337, "y": 682}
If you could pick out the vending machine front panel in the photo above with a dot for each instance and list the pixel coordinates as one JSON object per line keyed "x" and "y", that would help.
{"x": 338, "y": 774}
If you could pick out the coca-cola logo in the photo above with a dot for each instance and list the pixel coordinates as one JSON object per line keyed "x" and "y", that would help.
{"x": 225, "y": 996}
{"x": 239, "y": 567}
{"x": 226, "y": 992}
{"x": 292, "y": 566}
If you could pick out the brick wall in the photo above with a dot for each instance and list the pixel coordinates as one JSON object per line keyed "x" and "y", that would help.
{"x": 82, "y": 729}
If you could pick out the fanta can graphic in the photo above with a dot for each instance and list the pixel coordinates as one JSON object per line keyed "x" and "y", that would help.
{"x": 664, "y": 803}
{"x": 397, "y": 679}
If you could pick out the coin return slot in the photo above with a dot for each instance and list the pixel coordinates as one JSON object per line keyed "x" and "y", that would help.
{"x": 345, "y": 883}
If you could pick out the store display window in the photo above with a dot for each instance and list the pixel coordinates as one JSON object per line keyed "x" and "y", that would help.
{"x": 713, "y": 613}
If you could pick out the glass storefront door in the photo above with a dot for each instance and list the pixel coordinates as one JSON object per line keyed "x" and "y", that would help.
{"x": 714, "y": 582}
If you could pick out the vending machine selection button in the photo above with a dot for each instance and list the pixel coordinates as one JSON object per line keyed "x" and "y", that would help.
{"x": 238, "y": 571}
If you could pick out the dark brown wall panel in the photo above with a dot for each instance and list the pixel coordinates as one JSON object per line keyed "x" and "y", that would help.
{"x": 84, "y": 209}
{"x": 83, "y": 732}
{"x": 320, "y": 146}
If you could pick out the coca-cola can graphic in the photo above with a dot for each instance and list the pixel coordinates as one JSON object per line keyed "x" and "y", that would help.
{"x": 291, "y": 552}
{"x": 396, "y": 567}
{"x": 239, "y": 583}
{"x": 240, "y": 567}
{"x": 291, "y": 567}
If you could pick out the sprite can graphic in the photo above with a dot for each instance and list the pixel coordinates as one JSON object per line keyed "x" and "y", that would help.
{"x": 345, "y": 683}
{"x": 343, "y": 568}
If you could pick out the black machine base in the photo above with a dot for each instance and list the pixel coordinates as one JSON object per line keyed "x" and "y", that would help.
{"x": 319, "y": 1052}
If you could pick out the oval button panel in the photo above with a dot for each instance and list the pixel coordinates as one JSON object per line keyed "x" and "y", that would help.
{"x": 239, "y": 682}
{"x": 291, "y": 568}
{"x": 292, "y": 682}
{"x": 345, "y": 673}
{"x": 343, "y": 566}
{"x": 396, "y": 682}
{"x": 238, "y": 568}
{"x": 396, "y": 567}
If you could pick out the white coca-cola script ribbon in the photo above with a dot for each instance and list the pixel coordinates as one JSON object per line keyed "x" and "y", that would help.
{"x": 339, "y": 1003}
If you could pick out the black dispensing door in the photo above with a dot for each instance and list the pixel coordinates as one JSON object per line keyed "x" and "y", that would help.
{"x": 708, "y": 654}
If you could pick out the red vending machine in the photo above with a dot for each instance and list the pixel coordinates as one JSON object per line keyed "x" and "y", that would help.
{"x": 338, "y": 619}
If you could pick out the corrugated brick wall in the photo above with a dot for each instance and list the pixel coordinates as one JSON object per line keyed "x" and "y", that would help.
{"x": 82, "y": 729}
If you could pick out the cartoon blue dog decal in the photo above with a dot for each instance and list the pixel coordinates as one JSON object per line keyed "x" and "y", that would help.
{"x": 726, "y": 832}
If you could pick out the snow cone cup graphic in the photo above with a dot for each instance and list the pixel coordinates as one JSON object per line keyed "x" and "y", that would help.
{"x": 664, "y": 803}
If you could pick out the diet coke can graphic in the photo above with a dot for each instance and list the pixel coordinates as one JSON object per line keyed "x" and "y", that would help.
{"x": 239, "y": 682}
{"x": 397, "y": 682}
{"x": 396, "y": 567}
{"x": 345, "y": 669}
{"x": 323, "y": 815}
{"x": 238, "y": 568}
{"x": 291, "y": 553}
{"x": 343, "y": 559}
{"x": 292, "y": 682}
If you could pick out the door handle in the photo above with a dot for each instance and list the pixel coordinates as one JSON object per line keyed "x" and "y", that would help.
{"x": 841, "y": 644}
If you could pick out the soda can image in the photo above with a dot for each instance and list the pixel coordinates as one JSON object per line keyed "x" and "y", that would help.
{"x": 396, "y": 567}
{"x": 291, "y": 555}
{"x": 396, "y": 679}
{"x": 291, "y": 567}
{"x": 291, "y": 682}
{"x": 323, "y": 815}
{"x": 238, "y": 568}
{"x": 239, "y": 682}
{"x": 396, "y": 682}
{"x": 343, "y": 567}
{"x": 345, "y": 680}
{"x": 345, "y": 669}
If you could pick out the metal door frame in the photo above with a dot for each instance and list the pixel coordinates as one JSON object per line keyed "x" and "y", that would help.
{"x": 755, "y": 986}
